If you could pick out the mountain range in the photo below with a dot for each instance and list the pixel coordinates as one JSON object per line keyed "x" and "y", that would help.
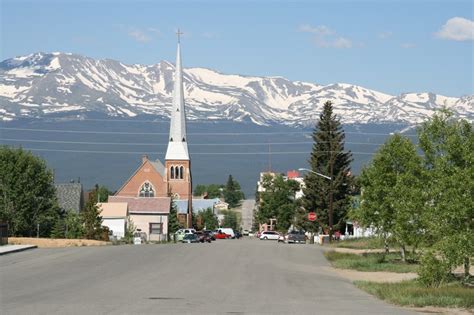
{"x": 42, "y": 85}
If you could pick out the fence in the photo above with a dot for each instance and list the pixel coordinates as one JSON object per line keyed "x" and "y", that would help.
{"x": 3, "y": 233}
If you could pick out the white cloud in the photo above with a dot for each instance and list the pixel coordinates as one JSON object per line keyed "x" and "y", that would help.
{"x": 325, "y": 37}
{"x": 321, "y": 30}
{"x": 408, "y": 45}
{"x": 385, "y": 35}
{"x": 154, "y": 31}
{"x": 139, "y": 35}
{"x": 457, "y": 28}
{"x": 210, "y": 35}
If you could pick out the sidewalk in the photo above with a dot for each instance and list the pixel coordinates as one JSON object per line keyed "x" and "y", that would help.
{"x": 7, "y": 249}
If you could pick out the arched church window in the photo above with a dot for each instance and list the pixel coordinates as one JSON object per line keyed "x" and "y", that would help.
{"x": 177, "y": 172}
{"x": 171, "y": 139}
{"x": 172, "y": 172}
{"x": 147, "y": 190}
{"x": 181, "y": 172}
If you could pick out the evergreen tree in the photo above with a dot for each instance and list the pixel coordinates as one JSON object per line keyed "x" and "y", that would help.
{"x": 173, "y": 222}
{"x": 73, "y": 224}
{"x": 92, "y": 218}
{"x": 232, "y": 193}
{"x": 329, "y": 198}
{"x": 27, "y": 193}
{"x": 58, "y": 230}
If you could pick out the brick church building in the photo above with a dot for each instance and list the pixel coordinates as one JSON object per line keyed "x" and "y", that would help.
{"x": 149, "y": 190}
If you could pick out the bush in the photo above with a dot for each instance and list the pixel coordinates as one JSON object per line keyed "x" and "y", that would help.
{"x": 432, "y": 271}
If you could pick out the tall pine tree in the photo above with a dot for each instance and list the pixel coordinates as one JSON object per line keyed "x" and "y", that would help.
{"x": 92, "y": 218}
{"x": 328, "y": 157}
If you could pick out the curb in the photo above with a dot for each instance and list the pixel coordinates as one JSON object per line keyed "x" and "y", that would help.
{"x": 18, "y": 249}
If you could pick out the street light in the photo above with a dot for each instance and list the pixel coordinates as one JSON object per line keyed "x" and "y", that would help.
{"x": 330, "y": 214}
{"x": 311, "y": 171}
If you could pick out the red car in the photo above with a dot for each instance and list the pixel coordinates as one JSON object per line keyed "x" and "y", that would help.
{"x": 221, "y": 235}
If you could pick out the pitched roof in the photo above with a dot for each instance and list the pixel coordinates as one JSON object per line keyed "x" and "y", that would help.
{"x": 113, "y": 209}
{"x": 177, "y": 145}
{"x": 69, "y": 196}
{"x": 144, "y": 204}
{"x": 159, "y": 167}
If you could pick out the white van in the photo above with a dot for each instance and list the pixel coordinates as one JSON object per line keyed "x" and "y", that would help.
{"x": 227, "y": 231}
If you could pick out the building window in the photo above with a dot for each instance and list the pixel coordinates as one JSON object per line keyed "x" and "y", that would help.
{"x": 177, "y": 172}
{"x": 172, "y": 172}
{"x": 156, "y": 228}
{"x": 181, "y": 172}
{"x": 147, "y": 190}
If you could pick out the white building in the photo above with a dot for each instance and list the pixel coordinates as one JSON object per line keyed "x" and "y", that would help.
{"x": 114, "y": 216}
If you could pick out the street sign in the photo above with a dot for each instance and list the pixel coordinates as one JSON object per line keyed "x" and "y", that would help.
{"x": 312, "y": 216}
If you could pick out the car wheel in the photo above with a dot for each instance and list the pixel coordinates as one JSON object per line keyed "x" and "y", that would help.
{"x": 265, "y": 238}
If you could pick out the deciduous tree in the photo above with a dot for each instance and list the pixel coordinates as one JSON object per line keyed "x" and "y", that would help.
{"x": 27, "y": 193}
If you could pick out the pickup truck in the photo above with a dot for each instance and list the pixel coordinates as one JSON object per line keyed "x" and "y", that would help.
{"x": 296, "y": 237}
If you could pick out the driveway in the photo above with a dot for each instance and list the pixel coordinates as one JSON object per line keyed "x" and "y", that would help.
{"x": 245, "y": 276}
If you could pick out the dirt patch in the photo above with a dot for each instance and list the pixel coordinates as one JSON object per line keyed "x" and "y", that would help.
{"x": 358, "y": 251}
{"x": 374, "y": 276}
{"x": 441, "y": 310}
{"x": 54, "y": 242}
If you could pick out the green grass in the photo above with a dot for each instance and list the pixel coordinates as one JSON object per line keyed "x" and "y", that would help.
{"x": 370, "y": 262}
{"x": 362, "y": 243}
{"x": 412, "y": 293}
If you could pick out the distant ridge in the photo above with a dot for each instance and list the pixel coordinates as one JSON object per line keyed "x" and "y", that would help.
{"x": 69, "y": 85}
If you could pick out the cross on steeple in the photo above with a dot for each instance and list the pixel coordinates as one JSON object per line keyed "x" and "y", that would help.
{"x": 179, "y": 33}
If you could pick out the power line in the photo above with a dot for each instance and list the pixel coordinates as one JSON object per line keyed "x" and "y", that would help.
{"x": 195, "y": 133}
{"x": 163, "y": 144}
{"x": 197, "y": 153}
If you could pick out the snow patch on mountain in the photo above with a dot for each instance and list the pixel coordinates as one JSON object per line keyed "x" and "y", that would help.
{"x": 40, "y": 84}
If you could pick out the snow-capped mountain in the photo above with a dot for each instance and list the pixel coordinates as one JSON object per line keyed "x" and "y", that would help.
{"x": 60, "y": 84}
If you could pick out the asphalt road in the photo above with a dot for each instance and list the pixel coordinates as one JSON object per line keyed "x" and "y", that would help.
{"x": 225, "y": 277}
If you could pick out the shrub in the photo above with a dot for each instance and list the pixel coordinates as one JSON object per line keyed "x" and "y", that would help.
{"x": 432, "y": 271}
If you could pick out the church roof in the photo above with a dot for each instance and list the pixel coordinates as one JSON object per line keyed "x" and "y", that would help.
{"x": 159, "y": 167}
{"x": 177, "y": 145}
{"x": 145, "y": 205}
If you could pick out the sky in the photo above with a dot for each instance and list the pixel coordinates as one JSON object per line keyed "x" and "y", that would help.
{"x": 389, "y": 46}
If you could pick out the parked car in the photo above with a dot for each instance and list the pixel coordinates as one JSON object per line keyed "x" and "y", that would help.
{"x": 237, "y": 235}
{"x": 211, "y": 234}
{"x": 203, "y": 236}
{"x": 190, "y": 238}
{"x": 227, "y": 231}
{"x": 182, "y": 232}
{"x": 245, "y": 232}
{"x": 269, "y": 235}
{"x": 221, "y": 235}
{"x": 282, "y": 238}
{"x": 296, "y": 237}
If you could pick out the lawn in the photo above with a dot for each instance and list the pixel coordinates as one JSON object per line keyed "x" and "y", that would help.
{"x": 412, "y": 293}
{"x": 370, "y": 262}
{"x": 361, "y": 243}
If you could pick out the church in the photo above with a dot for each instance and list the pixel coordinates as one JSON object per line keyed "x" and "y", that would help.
{"x": 149, "y": 191}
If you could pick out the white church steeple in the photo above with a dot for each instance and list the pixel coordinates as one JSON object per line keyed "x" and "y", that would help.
{"x": 177, "y": 142}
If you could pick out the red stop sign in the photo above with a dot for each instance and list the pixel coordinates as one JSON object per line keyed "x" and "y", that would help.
{"x": 312, "y": 216}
